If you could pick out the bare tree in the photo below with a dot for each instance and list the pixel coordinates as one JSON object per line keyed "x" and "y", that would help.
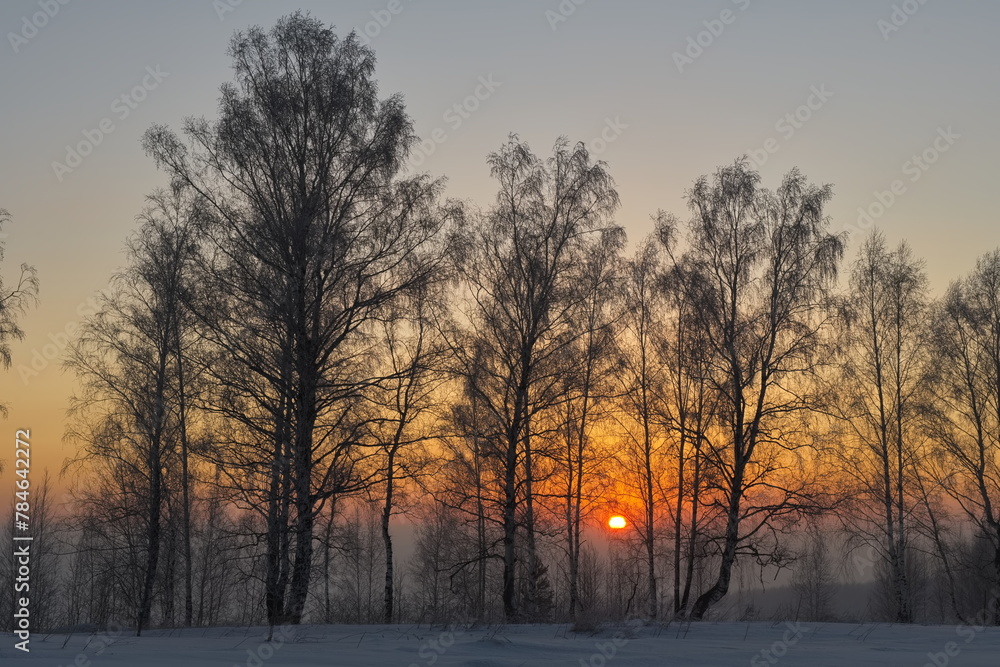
{"x": 469, "y": 480}
{"x": 407, "y": 413}
{"x": 311, "y": 235}
{"x": 519, "y": 268}
{"x": 965, "y": 424}
{"x": 813, "y": 581}
{"x": 878, "y": 398}
{"x": 127, "y": 409}
{"x": 688, "y": 408}
{"x": 589, "y": 385}
{"x": 643, "y": 379}
{"x": 763, "y": 264}
{"x": 13, "y": 304}
{"x": 48, "y": 602}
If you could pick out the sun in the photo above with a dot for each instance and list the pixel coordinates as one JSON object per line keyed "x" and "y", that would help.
{"x": 617, "y": 522}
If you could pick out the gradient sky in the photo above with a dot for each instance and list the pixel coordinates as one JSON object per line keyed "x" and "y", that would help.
{"x": 892, "y": 93}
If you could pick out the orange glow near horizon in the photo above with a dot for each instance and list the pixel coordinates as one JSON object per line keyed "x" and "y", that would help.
{"x": 617, "y": 522}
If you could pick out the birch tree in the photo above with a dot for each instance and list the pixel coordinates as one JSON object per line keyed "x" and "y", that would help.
{"x": 965, "y": 425}
{"x": 520, "y": 268}
{"x": 14, "y": 302}
{"x": 879, "y": 399}
{"x": 589, "y": 386}
{"x": 128, "y": 408}
{"x": 407, "y": 417}
{"x": 312, "y": 234}
{"x": 643, "y": 382}
{"x": 764, "y": 264}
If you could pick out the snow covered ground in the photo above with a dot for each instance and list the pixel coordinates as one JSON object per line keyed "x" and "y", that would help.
{"x": 627, "y": 645}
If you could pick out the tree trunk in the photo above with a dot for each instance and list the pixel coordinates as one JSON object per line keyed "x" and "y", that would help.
{"x": 387, "y": 610}
{"x": 678, "y": 521}
{"x": 510, "y": 609}
{"x": 480, "y": 539}
{"x": 721, "y": 586}
{"x": 693, "y": 533}
{"x": 152, "y": 540}
{"x": 304, "y": 515}
{"x": 155, "y": 465}
{"x": 185, "y": 490}
{"x": 277, "y": 526}
{"x": 531, "y": 608}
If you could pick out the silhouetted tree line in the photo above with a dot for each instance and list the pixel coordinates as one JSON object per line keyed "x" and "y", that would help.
{"x": 308, "y": 341}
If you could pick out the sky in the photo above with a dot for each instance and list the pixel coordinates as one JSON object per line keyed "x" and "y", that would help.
{"x": 892, "y": 102}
